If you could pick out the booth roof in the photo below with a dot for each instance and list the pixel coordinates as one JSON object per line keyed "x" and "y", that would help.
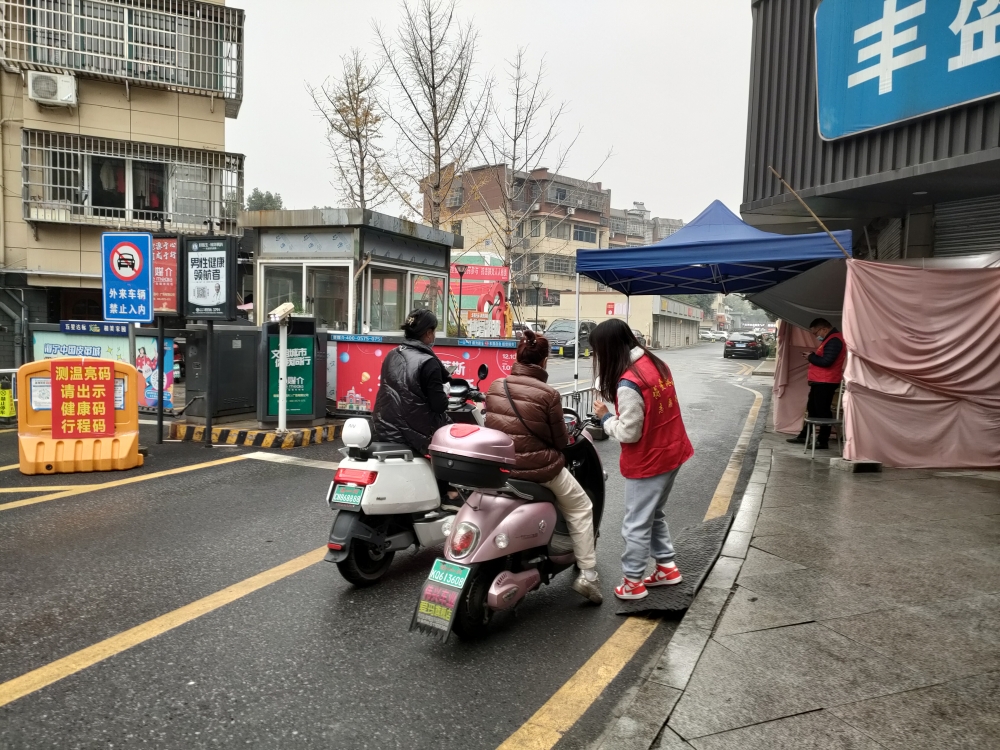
{"x": 716, "y": 252}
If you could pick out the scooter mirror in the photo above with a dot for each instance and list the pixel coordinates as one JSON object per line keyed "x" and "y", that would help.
{"x": 484, "y": 370}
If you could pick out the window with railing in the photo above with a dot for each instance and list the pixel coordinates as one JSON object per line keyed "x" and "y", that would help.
{"x": 559, "y": 264}
{"x": 556, "y": 229}
{"x": 184, "y": 45}
{"x": 74, "y": 179}
{"x": 583, "y": 233}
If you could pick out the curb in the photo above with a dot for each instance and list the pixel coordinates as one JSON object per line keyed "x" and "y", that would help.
{"x": 638, "y": 727}
{"x": 257, "y": 438}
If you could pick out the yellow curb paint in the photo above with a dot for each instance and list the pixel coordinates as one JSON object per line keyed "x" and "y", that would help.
{"x": 54, "y": 671}
{"x": 198, "y": 435}
{"x": 727, "y": 485}
{"x": 83, "y": 489}
{"x": 288, "y": 441}
{"x": 560, "y": 712}
{"x": 268, "y": 440}
{"x": 231, "y": 438}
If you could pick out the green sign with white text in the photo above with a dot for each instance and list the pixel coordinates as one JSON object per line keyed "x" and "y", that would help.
{"x": 300, "y": 375}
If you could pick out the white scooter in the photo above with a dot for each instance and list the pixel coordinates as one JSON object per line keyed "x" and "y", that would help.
{"x": 387, "y": 498}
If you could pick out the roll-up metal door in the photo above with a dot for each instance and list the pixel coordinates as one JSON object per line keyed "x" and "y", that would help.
{"x": 967, "y": 227}
{"x": 889, "y": 243}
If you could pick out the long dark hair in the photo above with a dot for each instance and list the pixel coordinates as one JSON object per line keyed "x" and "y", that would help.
{"x": 613, "y": 342}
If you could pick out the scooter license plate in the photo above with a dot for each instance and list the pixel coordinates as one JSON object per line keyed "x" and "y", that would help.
{"x": 439, "y": 598}
{"x": 343, "y": 494}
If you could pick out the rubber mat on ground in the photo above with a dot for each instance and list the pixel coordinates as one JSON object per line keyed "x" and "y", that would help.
{"x": 697, "y": 549}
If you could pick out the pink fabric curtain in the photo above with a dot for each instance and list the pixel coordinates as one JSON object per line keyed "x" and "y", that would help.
{"x": 790, "y": 389}
{"x": 923, "y": 375}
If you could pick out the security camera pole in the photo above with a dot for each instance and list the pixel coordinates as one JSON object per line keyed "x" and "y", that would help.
{"x": 280, "y": 316}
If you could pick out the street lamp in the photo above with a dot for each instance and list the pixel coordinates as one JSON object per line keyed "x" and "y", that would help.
{"x": 461, "y": 268}
{"x": 537, "y": 283}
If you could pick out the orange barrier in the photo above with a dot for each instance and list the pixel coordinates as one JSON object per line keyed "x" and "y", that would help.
{"x": 85, "y": 438}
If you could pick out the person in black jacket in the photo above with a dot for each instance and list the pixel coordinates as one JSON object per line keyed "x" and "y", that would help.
{"x": 412, "y": 401}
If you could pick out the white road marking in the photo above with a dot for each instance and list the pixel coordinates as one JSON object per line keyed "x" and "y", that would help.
{"x": 278, "y": 458}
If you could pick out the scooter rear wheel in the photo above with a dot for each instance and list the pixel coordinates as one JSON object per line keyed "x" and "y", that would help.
{"x": 364, "y": 565}
{"x": 472, "y": 620}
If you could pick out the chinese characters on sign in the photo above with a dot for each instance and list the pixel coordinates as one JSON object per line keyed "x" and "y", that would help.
{"x": 881, "y": 62}
{"x": 439, "y": 599}
{"x": 299, "y": 390}
{"x": 93, "y": 326}
{"x": 210, "y": 276}
{"x": 165, "y": 275}
{"x": 127, "y": 277}
{"x": 83, "y": 398}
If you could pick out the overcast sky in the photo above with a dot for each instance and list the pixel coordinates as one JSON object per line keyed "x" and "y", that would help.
{"x": 662, "y": 83}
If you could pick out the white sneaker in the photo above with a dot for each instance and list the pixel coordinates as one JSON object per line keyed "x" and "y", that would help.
{"x": 589, "y": 588}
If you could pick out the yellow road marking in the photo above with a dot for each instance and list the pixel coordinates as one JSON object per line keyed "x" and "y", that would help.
{"x": 570, "y": 702}
{"x": 54, "y": 671}
{"x": 46, "y": 488}
{"x": 8, "y": 467}
{"x": 10, "y": 429}
{"x": 84, "y": 488}
{"x": 724, "y": 491}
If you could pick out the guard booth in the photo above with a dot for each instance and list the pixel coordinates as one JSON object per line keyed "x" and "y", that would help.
{"x": 307, "y": 361}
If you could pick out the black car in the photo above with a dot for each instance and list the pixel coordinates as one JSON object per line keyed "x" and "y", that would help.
{"x": 563, "y": 338}
{"x": 743, "y": 345}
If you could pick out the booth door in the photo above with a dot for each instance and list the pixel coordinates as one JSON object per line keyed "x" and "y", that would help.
{"x": 327, "y": 297}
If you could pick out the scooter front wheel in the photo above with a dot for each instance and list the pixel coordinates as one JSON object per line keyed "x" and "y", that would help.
{"x": 365, "y": 564}
{"x": 472, "y": 619}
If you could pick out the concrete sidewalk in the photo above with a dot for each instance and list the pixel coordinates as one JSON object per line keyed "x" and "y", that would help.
{"x": 847, "y": 611}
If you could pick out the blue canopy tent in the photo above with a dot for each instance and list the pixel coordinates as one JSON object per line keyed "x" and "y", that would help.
{"x": 717, "y": 252}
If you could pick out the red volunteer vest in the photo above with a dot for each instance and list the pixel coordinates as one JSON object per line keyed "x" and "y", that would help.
{"x": 664, "y": 444}
{"x": 835, "y": 372}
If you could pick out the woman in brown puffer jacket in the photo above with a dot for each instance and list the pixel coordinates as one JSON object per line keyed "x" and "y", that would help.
{"x": 538, "y": 441}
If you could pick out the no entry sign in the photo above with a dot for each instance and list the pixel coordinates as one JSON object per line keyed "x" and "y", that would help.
{"x": 127, "y": 277}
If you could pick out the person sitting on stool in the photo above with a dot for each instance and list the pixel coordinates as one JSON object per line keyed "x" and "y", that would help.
{"x": 826, "y": 369}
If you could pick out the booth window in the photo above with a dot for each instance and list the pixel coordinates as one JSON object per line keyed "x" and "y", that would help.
{"x": 427, "y": 293}
{"x": 282, "y": 284}
{"x": 387, "y": 305}
{"x": 328, "y": 296}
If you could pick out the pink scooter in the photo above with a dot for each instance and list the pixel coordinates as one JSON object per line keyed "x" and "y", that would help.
{"x": 509, "y": 536}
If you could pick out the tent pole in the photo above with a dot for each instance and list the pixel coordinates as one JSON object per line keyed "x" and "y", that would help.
{"x": 811, "y": 212}
{"x": 576, "y": 349}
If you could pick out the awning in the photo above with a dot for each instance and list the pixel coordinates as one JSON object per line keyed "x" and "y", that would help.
{"x": 717, "y": 252}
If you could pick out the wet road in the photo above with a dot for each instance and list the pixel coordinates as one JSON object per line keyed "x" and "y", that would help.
{"x": 305, "y": 660}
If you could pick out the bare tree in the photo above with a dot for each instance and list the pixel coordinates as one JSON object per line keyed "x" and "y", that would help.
{"x": 440, "y": 112}
{"x": 520, "y": 138}
{"x": 350, "y": 105}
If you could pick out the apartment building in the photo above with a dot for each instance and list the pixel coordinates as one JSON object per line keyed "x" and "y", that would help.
{"x": 113, "y": 118}
{"x": 539, "y": 219}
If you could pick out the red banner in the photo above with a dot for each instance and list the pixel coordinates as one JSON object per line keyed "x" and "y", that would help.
{"x": 359, "y": 368}
{"x": 481, "y": 273}
{"x": 83, "y": 398}
{"x": 165, "y": 275}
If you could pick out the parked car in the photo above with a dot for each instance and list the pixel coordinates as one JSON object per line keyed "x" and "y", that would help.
{"x": 519, "y": 328}
{"x": 742, "y": 345}
{"x": 639, "y": 337}
{"x": 564, "y": 337}
{"x": 705, "y": 336}
{"x": 719, "y": 335}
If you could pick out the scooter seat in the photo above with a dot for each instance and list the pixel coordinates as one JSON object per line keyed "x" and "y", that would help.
{"x": 374, "y": 448}
{"x": 537, "y": 493}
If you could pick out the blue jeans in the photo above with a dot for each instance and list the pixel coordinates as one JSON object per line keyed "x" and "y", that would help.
{"x": 645, "y": 525}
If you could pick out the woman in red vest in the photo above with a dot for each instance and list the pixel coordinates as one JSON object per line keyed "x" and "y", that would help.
{"x": 654, "y": 445}
{"x": 826, "y": 370}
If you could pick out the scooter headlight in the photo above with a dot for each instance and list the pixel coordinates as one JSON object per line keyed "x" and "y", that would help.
{"x": 501, "y": 541}
{"x": 464, "y": 540}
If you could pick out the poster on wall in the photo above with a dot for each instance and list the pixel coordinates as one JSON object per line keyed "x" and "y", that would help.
{"x": 51, "y": 344}
{"x": 165, "y": 275}
{"x": 359, "y": 367}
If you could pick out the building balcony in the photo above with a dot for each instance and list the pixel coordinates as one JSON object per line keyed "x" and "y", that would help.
{"x": 180, "y": 45}
{"x": 75, "y": 179}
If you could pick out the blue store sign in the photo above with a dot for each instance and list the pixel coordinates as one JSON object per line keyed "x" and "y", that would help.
{"x": 127, "y": 276}
{"x": 880, "y": 62}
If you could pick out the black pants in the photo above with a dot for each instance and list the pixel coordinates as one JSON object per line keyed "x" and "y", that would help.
{"x": 820, "y": 405}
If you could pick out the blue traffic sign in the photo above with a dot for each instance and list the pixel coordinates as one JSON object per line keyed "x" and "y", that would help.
{"x": 879, "y": 62}
{"x": 127, "y": 276}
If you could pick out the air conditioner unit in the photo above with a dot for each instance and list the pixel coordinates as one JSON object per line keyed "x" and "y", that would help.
{"x": 52, "y": 89}
{"x": 570, "y": 211}
{"x": 536, "y": 207}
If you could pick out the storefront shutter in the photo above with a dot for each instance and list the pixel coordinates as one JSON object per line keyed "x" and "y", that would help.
{"x": 967, "y": 227}
{"x": 889, "y": 243}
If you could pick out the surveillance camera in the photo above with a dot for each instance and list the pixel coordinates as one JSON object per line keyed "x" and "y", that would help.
{"x": 282, "y": 312}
